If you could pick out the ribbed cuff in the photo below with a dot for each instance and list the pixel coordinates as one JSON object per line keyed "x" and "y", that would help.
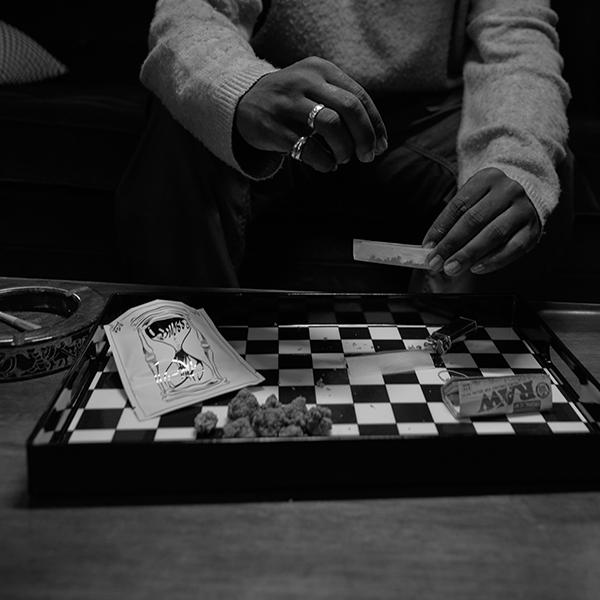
{"x": 227, "y": 95}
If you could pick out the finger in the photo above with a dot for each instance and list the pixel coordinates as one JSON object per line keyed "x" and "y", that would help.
{"x": 317, "y": 156}
{"x": 518, "y": 245}
{"x": 354, "y": 116}
{"x": 338, "y": 78}
{"x": 330, "y": 126}
{"x": 474, "y": 220}
{"x": 466, "y": 197}
{"x": 284, "y": 139}
{"x": 494, "y": 236}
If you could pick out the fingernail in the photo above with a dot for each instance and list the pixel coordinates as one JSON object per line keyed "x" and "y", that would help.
{"x": 478, "y": 268}
{"x": 428, "y": 245}
{"x": 382, "y": 145}
{"x": 367, "y": 157}
{"x": 452, "y": 267}
{"x": 436, "y": 262}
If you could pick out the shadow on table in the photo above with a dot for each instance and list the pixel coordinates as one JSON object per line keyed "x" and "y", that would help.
{"x": 63, "y": 501}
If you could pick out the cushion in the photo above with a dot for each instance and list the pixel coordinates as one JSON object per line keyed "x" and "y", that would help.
{"x": 22, "y": 60}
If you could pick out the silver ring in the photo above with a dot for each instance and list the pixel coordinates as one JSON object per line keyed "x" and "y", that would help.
{"x": 312, "y": 115}
{"x": 296, "y": 152}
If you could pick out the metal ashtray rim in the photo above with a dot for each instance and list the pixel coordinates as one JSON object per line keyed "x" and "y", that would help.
{"x": 26, "y": 354}
{"x": 80, "y": 299}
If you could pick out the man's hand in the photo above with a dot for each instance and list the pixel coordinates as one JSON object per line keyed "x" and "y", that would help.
{"x": 273, "y": 114}
{"x": 488, "y": 224}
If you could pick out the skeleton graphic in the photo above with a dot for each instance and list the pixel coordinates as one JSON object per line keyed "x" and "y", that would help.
{"x": 177, "y": 352}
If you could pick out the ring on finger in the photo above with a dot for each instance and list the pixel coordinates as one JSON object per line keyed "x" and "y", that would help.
{"x": 312, "y": 115}
{"x": 296, "y": 151}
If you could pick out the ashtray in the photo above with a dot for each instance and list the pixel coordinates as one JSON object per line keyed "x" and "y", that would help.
{"x": 65, "y": 316}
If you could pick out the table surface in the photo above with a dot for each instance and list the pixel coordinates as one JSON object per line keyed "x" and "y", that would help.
{"x": 543, "y": 545}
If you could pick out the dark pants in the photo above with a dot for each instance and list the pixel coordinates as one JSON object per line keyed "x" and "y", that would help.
{"x": 188, "y": 219}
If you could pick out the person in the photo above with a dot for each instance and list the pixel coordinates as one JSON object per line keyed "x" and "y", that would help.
{"x": 437, "y": 122}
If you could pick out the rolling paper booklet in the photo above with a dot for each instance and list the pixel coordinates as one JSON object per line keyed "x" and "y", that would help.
{"x": 170, "y": 355}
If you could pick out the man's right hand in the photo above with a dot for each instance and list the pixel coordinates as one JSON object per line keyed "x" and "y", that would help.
{"x": 273, "y": 114}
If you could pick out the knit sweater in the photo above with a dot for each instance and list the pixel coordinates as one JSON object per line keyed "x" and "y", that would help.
{"x": 204, "y": 55}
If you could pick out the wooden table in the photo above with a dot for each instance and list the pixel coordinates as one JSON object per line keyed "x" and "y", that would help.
{"x": 488, "y": 546}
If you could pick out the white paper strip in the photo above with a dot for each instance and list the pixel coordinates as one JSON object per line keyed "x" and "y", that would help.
{"x": 402, "y": 255}
{"x": 390, "y": 363}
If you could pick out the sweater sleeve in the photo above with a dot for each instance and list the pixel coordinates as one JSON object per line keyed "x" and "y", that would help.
{"x": 515, "y": 99}
{"x": 200, "y": 63}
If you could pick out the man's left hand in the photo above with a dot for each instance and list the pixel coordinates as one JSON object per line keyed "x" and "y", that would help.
{"x": 488, "y": 224}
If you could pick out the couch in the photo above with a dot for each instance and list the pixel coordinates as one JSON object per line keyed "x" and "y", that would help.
{"x": 67, "y": 141}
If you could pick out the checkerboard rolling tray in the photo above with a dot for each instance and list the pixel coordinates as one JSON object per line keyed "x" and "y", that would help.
{"x": 377, "y": 419}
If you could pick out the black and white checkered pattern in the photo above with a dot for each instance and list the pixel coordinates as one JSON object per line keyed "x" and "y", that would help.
{"x": 22, "y": 60}
{"x": 310, "y": 360}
